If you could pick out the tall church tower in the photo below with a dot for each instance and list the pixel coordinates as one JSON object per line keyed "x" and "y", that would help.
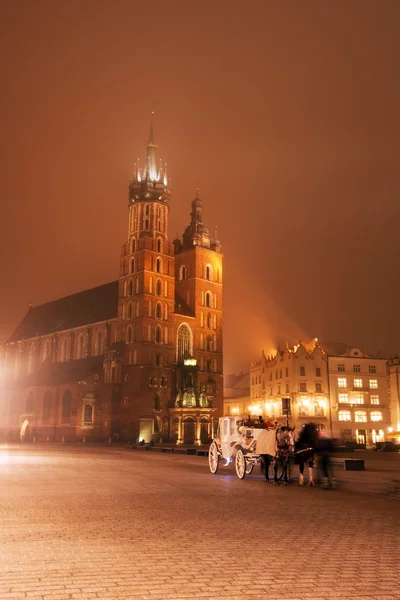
{"x": 170, "y": 318}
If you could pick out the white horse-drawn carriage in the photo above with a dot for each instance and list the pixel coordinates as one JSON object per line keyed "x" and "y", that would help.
{"x": 237, "y": 441}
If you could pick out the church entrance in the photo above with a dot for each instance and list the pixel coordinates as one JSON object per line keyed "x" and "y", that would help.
{"x": 188, "y": 432}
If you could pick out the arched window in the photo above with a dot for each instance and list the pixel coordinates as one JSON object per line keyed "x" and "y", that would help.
{"x": 158, "y": 335}
{"x": 146, "y": 223}
{"x": 99, "y": 343}
{"x": 159, "y": 265}
{"x": 66, "y": 406}
{"x": 208, "y": 299}
{"x": 157, "y": 402}
{"x": 360, "y": 416}
{"x": 129, "y": 335}
{"x": 133, "y": 245}
{"x": 158, "y": 311}
{"x": 147, "y": 210}
{"x": 159, "y": 219}
{"x": 129, "y": 312}
{"x": 344, "y": 415}
{"x": 46, "y": 406}
{"x": 29, "y": 403}
{"x": 209, "y": 321}
{"x": 130, "y": 287}
{"x": 132, "y": 265}
{"x": 209, "y": 272}
{"x": 182, "y": 273}
{"x": 31, "y": 358}
{"x": 184, "y": 343}
{"x": 64, "y": 350}
{"x": 46, "y": 350}
{"x": 376, "y": 415}
{"x": 88, "y": 413}
{"x": 158, "y": 287}
{"x": 81, "y": 345}
{"x": 159, "y": 245}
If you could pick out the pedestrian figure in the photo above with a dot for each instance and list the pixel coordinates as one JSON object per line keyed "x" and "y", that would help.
{"x": 324, "y": 449}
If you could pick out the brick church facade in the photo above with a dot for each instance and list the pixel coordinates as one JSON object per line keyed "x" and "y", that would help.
{"x": 137, "y": 358}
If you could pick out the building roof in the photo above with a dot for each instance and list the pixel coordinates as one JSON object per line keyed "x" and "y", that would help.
{"x": 90, "y": 306}
{"x": 181, "y": 308}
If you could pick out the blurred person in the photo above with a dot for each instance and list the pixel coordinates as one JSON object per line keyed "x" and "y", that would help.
{"x": 324, "y": 450}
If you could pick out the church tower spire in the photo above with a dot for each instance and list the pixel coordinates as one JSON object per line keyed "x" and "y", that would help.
{"x": 151, "y": 171}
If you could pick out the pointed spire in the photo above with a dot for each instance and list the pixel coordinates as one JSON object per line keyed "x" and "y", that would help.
{"x": 151, "y": 137}
{"x": 151, "y": 170}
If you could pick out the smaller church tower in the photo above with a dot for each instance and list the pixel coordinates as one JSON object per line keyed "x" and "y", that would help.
{"x": 198, "y": 274}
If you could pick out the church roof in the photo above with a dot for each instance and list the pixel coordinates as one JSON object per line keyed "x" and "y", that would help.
{"x": 90, "y": 306}
{"x": 181, "y": 308}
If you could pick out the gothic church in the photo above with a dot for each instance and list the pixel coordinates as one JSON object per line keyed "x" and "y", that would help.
{"x": 137, "y": 359}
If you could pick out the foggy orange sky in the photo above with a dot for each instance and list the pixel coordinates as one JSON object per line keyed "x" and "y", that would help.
{"x": 285, "y": 115}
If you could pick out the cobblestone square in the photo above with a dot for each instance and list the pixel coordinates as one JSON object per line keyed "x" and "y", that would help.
{"x": 80, "y": 522}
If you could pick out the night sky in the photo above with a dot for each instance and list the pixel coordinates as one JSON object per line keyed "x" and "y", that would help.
{"x": 285, "y": 115}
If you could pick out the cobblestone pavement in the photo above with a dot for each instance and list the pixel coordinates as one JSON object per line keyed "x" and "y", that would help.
{"x": 82, "y": 523}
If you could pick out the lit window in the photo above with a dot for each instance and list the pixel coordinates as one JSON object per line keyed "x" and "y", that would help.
{"x": 356, "y": 368}
{"x": 376, "y": 415}
{"x": 344, "y": 415}
{"x": 343, "y": 398}
{"x": 373, "y": 384}
{"x": 372, "y": 369}
{"x": 360, "y": 416}
{"x": 340, "y": 368}
{"x": 358, "y": 383}
{"x": 342, "y": 382}
{"x": 209, "y": 273}
{"x": 357, "y": 400}
{"x": 374, "y": 399}
{"x": 318, "y": 387}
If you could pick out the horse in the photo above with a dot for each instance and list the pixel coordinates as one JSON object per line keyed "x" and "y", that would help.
{"x": 277, "y": 446}
{"x": 305, "y": 448}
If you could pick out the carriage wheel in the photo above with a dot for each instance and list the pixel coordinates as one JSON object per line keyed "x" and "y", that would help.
{"x": 249, "y": 467}
{"x": 213, "y": 458}
{"x": 240, "y": 464}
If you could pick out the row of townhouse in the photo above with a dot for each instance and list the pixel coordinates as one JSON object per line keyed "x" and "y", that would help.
{"x": 354, "y": 396}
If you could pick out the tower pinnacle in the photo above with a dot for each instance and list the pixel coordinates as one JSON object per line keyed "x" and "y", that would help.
{"x": 152, "y": 173}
